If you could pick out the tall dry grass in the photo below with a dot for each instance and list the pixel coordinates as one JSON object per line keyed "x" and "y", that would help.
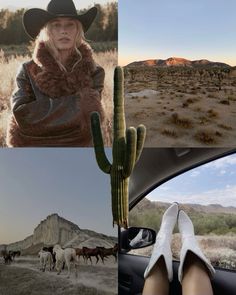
{"x": 8, "y": 70}
{"x": 219, "y": 249}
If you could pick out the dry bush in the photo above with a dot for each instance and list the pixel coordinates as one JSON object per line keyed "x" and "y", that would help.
{"x": 212, "y": 114}
{"x": 189, "y": 101}
{"x": 220, "y": 250}
{"x": 170, "y": 133}
{"x": 8, "y": 70}
{"x": 211, "y": 95}
{"x": 224, "y": 101}
{"x": 203, "y": 120}
{"x": 232, "y": 98}
{"x": 181, "y": 121}
{"x": 226, "y": 127}
{"x": 207, "y": 136}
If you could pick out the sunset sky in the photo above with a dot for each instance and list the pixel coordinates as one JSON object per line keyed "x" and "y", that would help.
{"x": 35, "y": 183}
{"x": 159, "y": 29}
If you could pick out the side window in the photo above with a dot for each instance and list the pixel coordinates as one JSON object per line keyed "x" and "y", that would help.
{"x": 208, "y": 195}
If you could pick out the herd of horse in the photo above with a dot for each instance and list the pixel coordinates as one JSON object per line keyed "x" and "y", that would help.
{"x": 57, "y": 257}
{"x": 9, "y": 256}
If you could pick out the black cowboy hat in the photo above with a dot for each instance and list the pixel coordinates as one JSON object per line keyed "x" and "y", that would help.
{"x": 34, "y": 19}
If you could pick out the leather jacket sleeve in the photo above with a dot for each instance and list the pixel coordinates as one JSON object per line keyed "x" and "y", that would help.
{"x": 37, "y": 114}
{"x": 98, "y": 79}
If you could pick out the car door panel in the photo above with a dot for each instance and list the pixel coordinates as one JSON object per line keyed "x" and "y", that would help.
{"x": 131, "y": 281}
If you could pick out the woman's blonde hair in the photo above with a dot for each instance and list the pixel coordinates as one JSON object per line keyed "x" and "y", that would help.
{"x": 45, "y": 37}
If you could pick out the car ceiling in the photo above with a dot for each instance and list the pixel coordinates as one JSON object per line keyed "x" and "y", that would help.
{"x": 157, "y": 165}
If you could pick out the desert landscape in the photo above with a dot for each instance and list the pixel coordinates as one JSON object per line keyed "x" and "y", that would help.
{"x": 24, "y": 276}
{"x": 215, "y": 228}
{"x": 182, "y": 102}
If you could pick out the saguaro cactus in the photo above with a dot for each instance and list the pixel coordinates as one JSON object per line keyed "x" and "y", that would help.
{"x": 126, "y": 149}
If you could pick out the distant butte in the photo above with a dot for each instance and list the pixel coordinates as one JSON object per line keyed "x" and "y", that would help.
{"x": 177, "y": 62}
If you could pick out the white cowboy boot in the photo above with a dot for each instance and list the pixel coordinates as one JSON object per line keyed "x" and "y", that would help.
{"x": 162, "y": 245}
{"x": 189, "y": 243}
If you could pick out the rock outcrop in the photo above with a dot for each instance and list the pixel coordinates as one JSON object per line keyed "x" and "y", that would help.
{"x": 57, "y": 230}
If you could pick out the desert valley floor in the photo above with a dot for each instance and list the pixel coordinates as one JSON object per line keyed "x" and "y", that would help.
{"x": 182, "y": 107}
{"x": 23, "y": 277}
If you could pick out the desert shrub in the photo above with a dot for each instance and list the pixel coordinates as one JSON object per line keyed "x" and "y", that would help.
{"x": 181, "y": 121}
{"x": 225, "y": 101}
{"x": 224, "y": 126}
{"x": 212, "y": 114}
{"x": 206, "y": 136}
{"x": 170, "y": 133}
{"x": 204, "y": 223}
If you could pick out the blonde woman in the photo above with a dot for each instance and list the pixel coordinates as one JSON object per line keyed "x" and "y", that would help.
{"x": 59, "y": 88}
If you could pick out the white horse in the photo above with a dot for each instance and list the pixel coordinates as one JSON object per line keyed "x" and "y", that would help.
{"x": 44, "y": 259}
{"x": 67, "y": 255}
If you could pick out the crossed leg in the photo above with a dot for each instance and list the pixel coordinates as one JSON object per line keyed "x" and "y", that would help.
{"x": 195, "y": 281}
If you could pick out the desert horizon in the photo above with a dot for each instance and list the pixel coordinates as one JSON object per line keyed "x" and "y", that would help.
{"x": 182, "y": 59}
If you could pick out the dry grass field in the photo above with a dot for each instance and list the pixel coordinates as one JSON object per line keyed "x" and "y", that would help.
{"x": 220, "y": 250}
{"x": 23, "y": 277}
{"x": 182, "y": 107}
{"x": 8, "y": 69}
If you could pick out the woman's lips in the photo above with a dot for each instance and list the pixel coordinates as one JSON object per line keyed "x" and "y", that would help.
{"x": 64, "y": 39}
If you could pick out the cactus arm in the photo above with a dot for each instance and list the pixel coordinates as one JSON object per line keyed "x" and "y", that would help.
{"x": 130, "y": 153}
{"x": 141, "y": 135}
{"x": 101, "y": 157}
{"x": 119, "y": 117}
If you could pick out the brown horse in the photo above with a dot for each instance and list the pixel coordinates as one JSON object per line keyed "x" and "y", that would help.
{"x": 88, "y": 253}
{"x": 80, "y": 252}
{"x": 105, "y": 252}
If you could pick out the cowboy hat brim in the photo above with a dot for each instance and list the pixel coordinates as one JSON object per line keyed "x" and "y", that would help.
{"x": 35, "y": 19}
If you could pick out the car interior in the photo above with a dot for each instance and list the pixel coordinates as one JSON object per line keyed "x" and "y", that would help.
{"x": 155, "y": 167}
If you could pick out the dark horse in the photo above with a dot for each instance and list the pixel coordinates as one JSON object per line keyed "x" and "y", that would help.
{"x": 6, "y": 256}
{"x": 105, "y": 252}
{"x": 88, "y": 253}
{"x": 14, "y": 254}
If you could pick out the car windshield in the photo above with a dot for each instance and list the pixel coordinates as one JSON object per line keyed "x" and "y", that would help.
{"x": 208, "y": 194}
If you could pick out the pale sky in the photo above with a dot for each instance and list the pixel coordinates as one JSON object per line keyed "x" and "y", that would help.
{"x": 159, "y": 29}
{"x": 80, "y": 4}
{"x": 213, "y": 183}
{"x": 35, "y": 183}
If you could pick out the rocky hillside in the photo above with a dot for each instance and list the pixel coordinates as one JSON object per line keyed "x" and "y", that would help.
{"x": 176, "y": 61}
{"x": 212, "y": 219}
{"x": 57, "y": 230}
{"x": 212, "y": 208}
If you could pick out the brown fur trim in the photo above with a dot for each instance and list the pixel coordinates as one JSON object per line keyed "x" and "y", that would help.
{"x": 54, "y": 82}
{"x": 79, "y": 136}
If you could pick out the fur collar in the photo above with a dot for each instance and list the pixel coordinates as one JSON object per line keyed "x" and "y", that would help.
{"x": 54, "y": 82}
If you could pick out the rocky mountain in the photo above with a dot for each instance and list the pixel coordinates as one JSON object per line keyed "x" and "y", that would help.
{"x": 57, "y": 230}
{"x": 212, "y": 208}
{"x": 178, "y": 62}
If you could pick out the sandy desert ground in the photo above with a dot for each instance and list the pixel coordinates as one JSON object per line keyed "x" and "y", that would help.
{"x": 23, "y": 277}
{"x": 182, "y": 108}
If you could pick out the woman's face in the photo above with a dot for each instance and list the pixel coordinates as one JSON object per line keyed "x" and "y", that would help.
{"x": 63, "y": 32}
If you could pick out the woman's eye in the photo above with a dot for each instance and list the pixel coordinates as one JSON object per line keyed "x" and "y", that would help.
{"x": 70, "y": 25}
{"x": 56, "y": 25}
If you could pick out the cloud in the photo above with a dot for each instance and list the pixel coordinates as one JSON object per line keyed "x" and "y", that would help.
{"x": 195, "y": 173}
{"x": 225, "y": 196}
{"x": 222, "y": 163}
{"x": 222, "y": 172}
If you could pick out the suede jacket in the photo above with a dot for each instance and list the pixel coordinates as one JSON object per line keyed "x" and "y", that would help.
{"x": 51, "y": 107}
